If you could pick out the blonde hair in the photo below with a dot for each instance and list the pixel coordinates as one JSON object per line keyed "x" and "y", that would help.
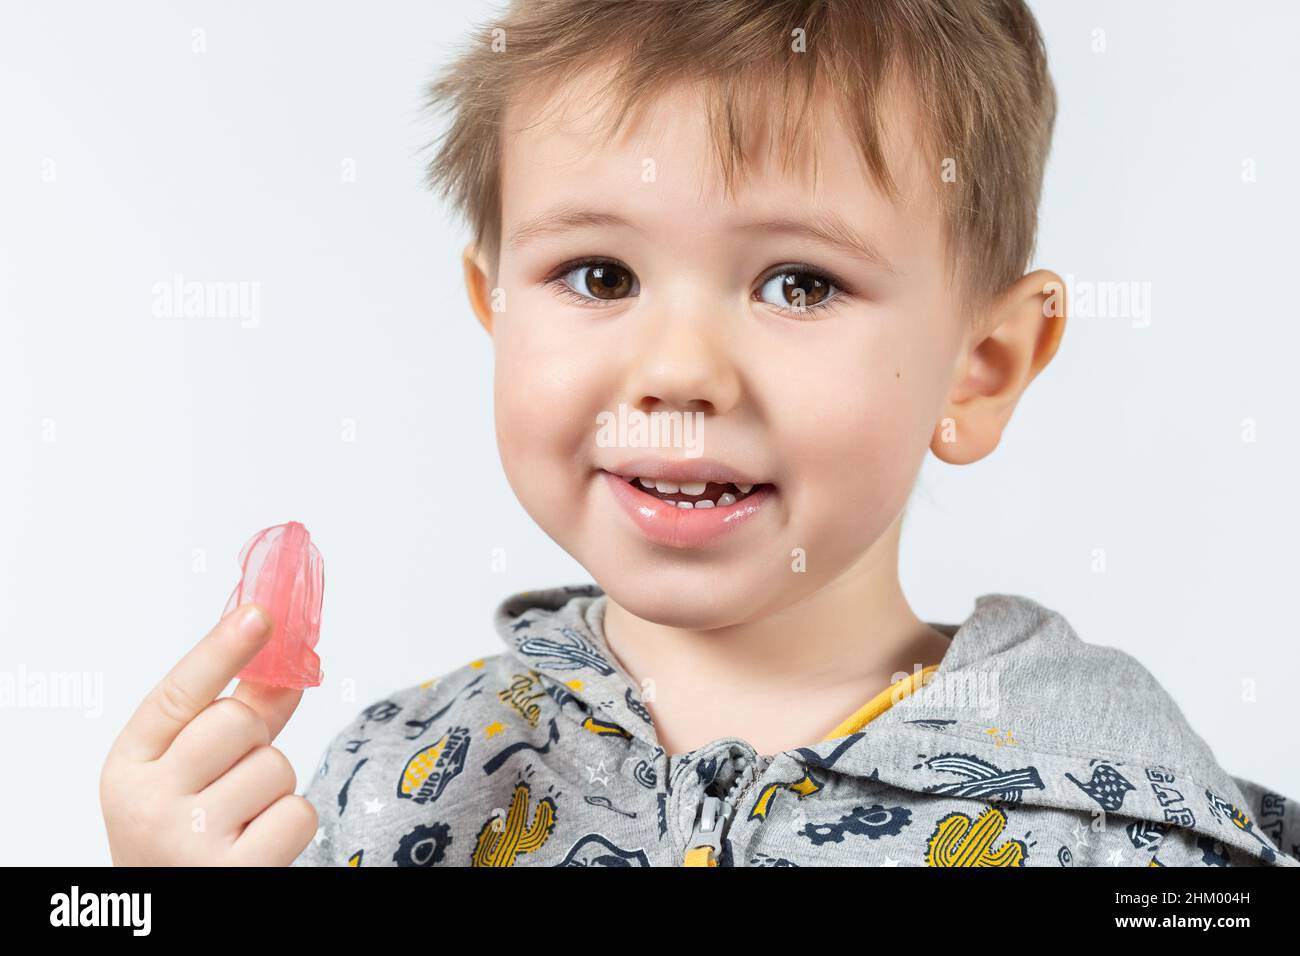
{"x": 977, "y": 67}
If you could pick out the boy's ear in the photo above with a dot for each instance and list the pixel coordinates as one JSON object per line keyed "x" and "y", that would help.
{"x": 1015, "y": 342}
{"x": 476, "y": 284}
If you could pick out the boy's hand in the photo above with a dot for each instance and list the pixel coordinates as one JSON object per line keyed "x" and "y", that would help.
{"x": 192, "y": 780}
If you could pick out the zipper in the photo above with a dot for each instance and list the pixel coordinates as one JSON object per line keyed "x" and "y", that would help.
{"x": 715, "y": 815}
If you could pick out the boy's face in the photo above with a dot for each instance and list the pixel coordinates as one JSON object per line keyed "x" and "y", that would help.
{"x": 833, "y": 407}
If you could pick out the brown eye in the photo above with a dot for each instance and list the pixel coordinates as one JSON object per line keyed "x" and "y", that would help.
{"x": 599, "y": 280}
{"x": 796, "y": 289}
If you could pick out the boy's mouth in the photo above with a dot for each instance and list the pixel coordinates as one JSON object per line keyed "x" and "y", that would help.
{"x": 688, "y": 505}
{"x": 697, "y": 494}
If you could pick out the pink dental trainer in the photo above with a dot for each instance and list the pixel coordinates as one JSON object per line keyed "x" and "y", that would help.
{"x": 284, "y": 573}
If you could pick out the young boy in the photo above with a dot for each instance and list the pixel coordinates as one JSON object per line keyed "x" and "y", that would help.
{"x": 798, "y": 230}
{"x": 704, "y": 704}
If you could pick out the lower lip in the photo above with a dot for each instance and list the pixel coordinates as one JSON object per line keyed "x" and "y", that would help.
{"x": 665, "y": 523}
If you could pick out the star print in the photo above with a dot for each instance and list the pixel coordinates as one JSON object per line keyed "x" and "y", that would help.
{"x": 373, "y": 806}
{"x": 320, "y": 835}
{"x": 1116, "y": 857}
{"x": 494, "y": 728}
{"x": 889, "y": 862}
{"x": 1080, "y": 840}
{"x": 593, "y": 774}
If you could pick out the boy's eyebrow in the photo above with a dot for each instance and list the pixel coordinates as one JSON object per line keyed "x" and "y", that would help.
{"x": 561, "y": 219}
{"x": 827, "y": 227}
{"x": 830, "y": 228}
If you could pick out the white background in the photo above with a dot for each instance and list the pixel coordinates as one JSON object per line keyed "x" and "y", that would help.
{"x": 172, "y": 435}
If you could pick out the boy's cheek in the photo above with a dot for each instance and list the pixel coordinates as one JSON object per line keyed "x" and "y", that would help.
{"x": 851, "y": 470}
{"x": 545, "y": 433}
{"x": 853, "y": 450}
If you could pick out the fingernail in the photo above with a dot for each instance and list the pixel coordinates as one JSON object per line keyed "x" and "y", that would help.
{"x": 252, "y": 623}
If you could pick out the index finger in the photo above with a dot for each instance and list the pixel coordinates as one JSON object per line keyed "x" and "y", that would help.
{"x": 195, "y": 682}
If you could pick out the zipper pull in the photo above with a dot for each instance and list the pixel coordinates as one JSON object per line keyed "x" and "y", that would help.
{"x": 714, "y": 814}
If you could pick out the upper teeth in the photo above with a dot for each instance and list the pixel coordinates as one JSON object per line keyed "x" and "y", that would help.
{"x": 692, "y": 488}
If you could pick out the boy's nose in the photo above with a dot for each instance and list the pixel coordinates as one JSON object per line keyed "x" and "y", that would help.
{"x": 684, "y": 362}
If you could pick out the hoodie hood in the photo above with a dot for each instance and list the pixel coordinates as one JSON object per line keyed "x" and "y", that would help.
{"x": 1020, "y": 711}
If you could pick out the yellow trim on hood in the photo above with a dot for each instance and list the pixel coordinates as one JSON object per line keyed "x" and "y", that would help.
{"x": 881, "y": 703}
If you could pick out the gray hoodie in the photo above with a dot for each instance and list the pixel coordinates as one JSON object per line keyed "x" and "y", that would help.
{"x": 1025, "y": 747}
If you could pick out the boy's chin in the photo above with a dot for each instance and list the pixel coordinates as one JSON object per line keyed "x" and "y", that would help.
{"x": 674, "y": 600}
